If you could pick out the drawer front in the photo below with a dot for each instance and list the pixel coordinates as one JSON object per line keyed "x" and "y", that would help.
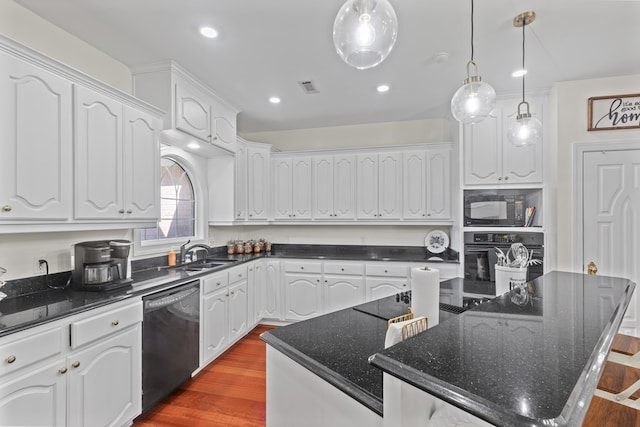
{"x": 215, "y": 282}
{"x": 106, "y": 323}
{"x": 302, "y": 267}
{"x": 238, "y": 273}
{"x": 387, "y": 270}
{"x": 25, "y": 351}
{"x": 343, "y": 268}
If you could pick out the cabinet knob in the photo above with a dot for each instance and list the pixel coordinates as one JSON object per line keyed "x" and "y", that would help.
{"x": 325, "y": 280}
{"x": 423, "y": 214}
{"x": 428, "y": 214}
{"x": 11, "y": 359}
{"x": 342, "y": 269}
{"x": 506, "y": 178}
{"x": 232, "y": 292}
{"x": 386, "y": 271}
{"x": 62, "y": 370}
{"x": 6, "y": 208}
{"x": 250, "y": 215}
{"x": 218, "y": 283}
{"x": 499, "y": 178}
{"x": 404, "y": 285}
{"x": 115, "y": 323}
{"x": 121, "y": 211}
{"x": 301, "y": 268}
{"x": 129, "y": 211}
{"x": 75, "y": 364}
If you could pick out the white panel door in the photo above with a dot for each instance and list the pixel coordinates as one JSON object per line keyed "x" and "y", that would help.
{"x": 611, "y": 220}
{"x": 258, "y": 184}
{"x": 98, "y": 156}
{"x": 323, "y": 187}
{"x": 344, "y": 187}
{"x": 438, "y": 197}
{"x": 238, "y": 310}
{"x": 141, "y": 165}
{"x": 521, "y": 165}
{"x": 302, "y": 296}
{"x": 483, "y": 150}
{"x": 240, "y": 185}
{"x": 389, "y": 185}
{"x": 36, "y": 130}
{"x": 342, "y": 292}
{"x": 215, "y": 324}
{"x": 270, "y": 293}
{"x": 193, "y": 112}
{"x": 301, "y": 187}
{"x": 367, "y": 185}
{"x": 282, "y": 188}
{"x": 414, "y": 185}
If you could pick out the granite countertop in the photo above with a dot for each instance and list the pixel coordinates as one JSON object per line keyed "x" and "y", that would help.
{"x": 535, "y": 364}
{"x": 30, "y": 302}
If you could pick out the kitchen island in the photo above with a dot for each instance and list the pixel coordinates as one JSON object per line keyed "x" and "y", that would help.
{"x": 524, "y": 358}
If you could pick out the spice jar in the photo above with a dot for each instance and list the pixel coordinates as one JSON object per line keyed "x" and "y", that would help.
{"x": 256, "y": 247}
{"x": 231, "y": 248}
{"x": 239, "y": 248}
{"x": 267, "y": 246}
{"x": 248, "y": 248}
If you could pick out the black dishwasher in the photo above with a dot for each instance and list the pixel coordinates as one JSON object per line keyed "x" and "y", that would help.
{"x": 170, "y": 340}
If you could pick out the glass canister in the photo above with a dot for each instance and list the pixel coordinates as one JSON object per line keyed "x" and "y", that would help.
{"x": 248, "y": 247}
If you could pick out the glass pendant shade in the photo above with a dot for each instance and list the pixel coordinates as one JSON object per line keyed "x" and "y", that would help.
{"x": 473, "y": 102}
{"x": 364, "y": 32}
{"x": 524, "y": 130}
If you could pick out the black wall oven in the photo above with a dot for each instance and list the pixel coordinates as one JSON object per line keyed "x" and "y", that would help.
{"x": 480, "y": 255}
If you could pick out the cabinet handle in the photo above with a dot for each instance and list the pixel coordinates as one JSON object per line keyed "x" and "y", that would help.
{"x": 62, "y": 370}
{"x": 11, "y": 359}
{"x": 386, "y": 271}
{"x": 121, "y": 211}
{"x": 115, "y": 323}
{"x": 129, "y": 211}
{"x": 342, "y": 269}
{"x": 301, "y": 268}
{"x": 428, "y": 214}
{"x": 6, "y": 208}
{"x": 218, "y": 283}
{"x": 506, "y": 178}
{"x": 404, "y": 284}
{"x": 499, "y": 178}
{"x": 250, "y": 215}
{"x": 232, "y": 292}
{"x": 325, "y": 280}
{"x": 75, "y": 364}
{"x": 423, "y": 215}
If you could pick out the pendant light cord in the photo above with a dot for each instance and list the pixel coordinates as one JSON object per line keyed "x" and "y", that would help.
{"x": 523, "y": 69}
{"x": 472, "y": 30}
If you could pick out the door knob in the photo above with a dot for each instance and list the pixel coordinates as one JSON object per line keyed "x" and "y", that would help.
{"x": 592, "y": 268}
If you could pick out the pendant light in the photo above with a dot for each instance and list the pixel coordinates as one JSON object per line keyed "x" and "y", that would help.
{"x": 524, "y": 130}
{"x": 364, "y": 32}
{"x": 475, "y": 99}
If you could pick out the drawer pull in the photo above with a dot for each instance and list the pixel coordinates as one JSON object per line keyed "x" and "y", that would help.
{"x": 218, "y": 283}
{"x": 301, "y": 268}
{"x": 121, "y": 211}
{"x": 6, "y": 208}
{"x": 11, "y": 359}
{"x": 115, "y": 323}
{"x": 129, "y": 211}
{"x": 404, "y": 284}
{"x": 386, "y": 271}
{"x": 62, "y": 370}
{"x": 342, "y": 269}
{"x": 75, "y": 364}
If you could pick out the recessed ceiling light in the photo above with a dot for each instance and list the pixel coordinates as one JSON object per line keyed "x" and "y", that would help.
{"x": 383, "y": 88}
{"x": 518, "y": 73}
{"x": 208, "y": 32}
{"x": 274, "y": 100}
{"x": 193, "y": 145}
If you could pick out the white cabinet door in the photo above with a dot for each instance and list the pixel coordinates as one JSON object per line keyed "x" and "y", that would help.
{"x": 389, "y": 185}
{"x": 105, "y": 381}
{"x": 36, "y": 130}
{"x": 323, "y": 187}
{"x": 483, "y": 150}
{"x": 344, "y": 186}
{"x": 342, "y": 292}
{"x": 215, "y": 324}
{"x": 302, "y": 296}
{"x": 282, "y": 188}
{"x": 98, "y": 156}
{"x": 367, "y": 186}
{"x": 414, "y": 185}
{"x": 224, "y": 126}
{"x": 270, "y": 292}
{"x": 238, "y": 310}
{"x": 37, "y": 398}
{"x": 301, "y": 187}
{"x": 258, "y": 183}
{"x": 240, "y": 185}
{"x": 379, "y": 287}
{"x": 521, "y": 165}
{"x": 141, "y": 165}
{"x": 438, "y": 183}
{"x": 193, "y": 111}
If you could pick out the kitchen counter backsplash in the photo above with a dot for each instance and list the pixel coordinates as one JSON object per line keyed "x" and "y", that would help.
{"x": 35, "y": 284}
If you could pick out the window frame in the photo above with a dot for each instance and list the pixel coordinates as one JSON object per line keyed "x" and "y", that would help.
{"x": 197, "y": 175}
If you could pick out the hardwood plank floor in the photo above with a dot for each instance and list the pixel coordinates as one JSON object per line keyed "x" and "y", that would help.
{"x": 231, "y": 391}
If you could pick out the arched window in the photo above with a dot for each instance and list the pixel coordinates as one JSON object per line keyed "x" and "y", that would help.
{"x": 177, "y": 205}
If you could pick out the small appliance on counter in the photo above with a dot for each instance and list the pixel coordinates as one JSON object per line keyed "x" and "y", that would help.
{"x": 101, "y": 265}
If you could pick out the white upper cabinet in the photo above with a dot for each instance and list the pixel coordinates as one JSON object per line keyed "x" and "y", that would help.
{"x": 334, "y": 186}
{"x": 427, "y": 184}
{"x": 258, "y": 164}
{"x": 36, "y": 130}
{"x": 291, "y": 188}
{"x": 379, "y": 185}
{"x": 116, "y": 159}
{"x": 193, "y": 109}
{"x": 240, "y": 187}
{"x": 490, "y": 159}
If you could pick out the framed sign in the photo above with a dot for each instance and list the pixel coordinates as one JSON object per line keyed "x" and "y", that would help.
{"x": 614, "y": 112}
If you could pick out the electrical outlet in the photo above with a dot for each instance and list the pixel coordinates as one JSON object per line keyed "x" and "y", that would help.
{"x": 38, "y": 267}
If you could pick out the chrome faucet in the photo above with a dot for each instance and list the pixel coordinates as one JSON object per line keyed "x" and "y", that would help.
{"x": 184, "y": 250}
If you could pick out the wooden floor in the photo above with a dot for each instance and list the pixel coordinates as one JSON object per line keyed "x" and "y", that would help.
{"x": 230, "y": 391}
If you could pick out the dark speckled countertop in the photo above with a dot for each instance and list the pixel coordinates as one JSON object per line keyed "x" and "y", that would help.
{"x": 535, "y": 364}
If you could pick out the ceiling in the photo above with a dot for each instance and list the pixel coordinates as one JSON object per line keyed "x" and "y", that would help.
{"x": 266, "y": 47}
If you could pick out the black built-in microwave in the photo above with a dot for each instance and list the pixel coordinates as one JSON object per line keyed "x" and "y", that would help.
{"x": 495, "y": 210}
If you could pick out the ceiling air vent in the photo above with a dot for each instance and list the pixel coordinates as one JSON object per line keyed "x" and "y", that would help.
{"x": 308, "y": 87}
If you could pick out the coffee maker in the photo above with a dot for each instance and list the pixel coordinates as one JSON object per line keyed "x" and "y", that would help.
{"x": 101, "y": 265}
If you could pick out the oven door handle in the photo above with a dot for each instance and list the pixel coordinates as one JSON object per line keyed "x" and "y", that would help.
{"x": 476, "y": 250}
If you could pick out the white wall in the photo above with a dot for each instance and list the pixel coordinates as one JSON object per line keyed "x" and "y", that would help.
{"x": 570, "y": 109}
{"x": 24, "y": 26}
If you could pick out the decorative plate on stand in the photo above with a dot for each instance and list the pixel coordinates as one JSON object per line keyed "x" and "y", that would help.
{"x": 436, "y": 241}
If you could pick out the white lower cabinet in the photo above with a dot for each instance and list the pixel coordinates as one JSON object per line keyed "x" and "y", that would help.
{"x": 238, "y": 310}
{"x": 215, "y": 324}
{"x": 95, "y": 379}
{"x": 342, "y": 285}
{"x": 386, "y": 279}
